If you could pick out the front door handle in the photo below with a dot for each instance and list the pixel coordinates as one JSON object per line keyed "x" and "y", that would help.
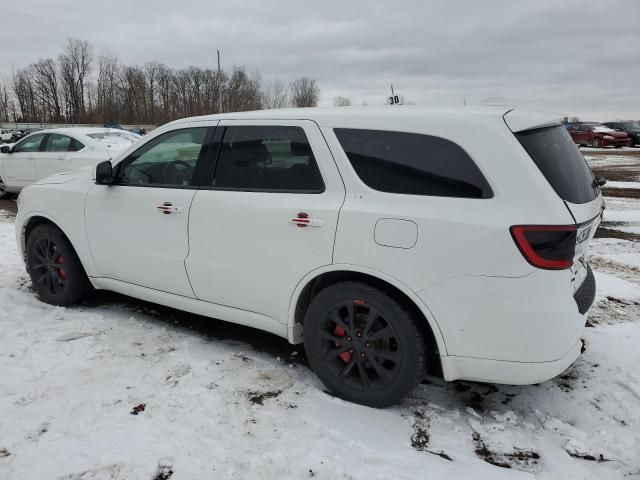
{"x": 60, "y": 157}
{"x": 303, "y": 220}
{"x": 168, "y": 208}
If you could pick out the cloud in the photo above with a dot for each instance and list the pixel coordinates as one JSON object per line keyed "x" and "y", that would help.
{"x": 569, "y": 56}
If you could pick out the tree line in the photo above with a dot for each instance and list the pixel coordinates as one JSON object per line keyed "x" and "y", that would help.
{"x": 80, "y": 87}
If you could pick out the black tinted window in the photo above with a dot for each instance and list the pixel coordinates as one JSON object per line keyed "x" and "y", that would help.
{"x": 558, "y": 158}
{"x": 410, "y": 163}
{"x": 267, "y": 158}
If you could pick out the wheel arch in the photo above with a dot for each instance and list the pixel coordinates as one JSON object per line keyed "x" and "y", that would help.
{"x": 40, "y": 218}
{"x": 321, "y": 278}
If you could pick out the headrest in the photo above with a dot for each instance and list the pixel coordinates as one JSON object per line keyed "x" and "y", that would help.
{"x": 250, "y": 154}
{"x": 300, "y": 149}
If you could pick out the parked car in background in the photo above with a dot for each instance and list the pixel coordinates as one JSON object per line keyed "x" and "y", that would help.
{"x": 52, "y": 151}
{"x": 630, "y": 127}
{"x": 5, "y": 135}
{"x": 390, "y": 241}
{"x": 597, "y": 135}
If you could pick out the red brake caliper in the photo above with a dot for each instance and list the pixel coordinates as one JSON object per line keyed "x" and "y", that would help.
{"x": 61, "y": 271}
{"x": 338, "y": 331}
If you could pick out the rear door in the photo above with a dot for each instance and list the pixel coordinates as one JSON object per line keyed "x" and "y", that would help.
{"x": 20, "y": 164}
{"x": 57, "y": 155}
{"x": 266, "y": 218}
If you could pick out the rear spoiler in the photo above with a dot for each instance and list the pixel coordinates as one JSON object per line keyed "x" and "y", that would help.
{"x": 520, "y": 120}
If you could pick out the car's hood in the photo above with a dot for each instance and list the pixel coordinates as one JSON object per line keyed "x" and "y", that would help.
{"x": 65, "y": 177}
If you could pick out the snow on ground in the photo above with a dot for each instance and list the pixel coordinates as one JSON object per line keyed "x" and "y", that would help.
{"x": 613, "y": 184}
{"x": 120, "y": 389}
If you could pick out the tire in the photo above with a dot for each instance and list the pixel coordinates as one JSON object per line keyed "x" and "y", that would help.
{"x": 54, "y": 267}
{"x": 596, "y": 142}
{"x": 363, "y": 344}
{"x": 3, "y": 190}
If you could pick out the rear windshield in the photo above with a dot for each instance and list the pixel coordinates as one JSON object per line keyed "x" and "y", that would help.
{"x": 561, "y": 162}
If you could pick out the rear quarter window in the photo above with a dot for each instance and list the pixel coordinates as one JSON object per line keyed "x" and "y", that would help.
{"x": 413, "y": 164}
{"x": 560, "y": 161}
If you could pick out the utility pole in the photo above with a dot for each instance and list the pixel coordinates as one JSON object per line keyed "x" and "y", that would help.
{"x": 219, "y": 82}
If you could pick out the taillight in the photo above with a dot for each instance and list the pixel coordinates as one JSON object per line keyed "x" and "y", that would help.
{"x": 550, "y": 247}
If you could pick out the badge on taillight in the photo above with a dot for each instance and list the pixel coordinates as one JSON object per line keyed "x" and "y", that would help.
{"x": 583, "y": 234}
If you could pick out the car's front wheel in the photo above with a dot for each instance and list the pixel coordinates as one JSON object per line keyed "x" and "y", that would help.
{"x": 55, "y": 270}
{"x": 596, "y": 142}
{"x": 363, "y": 344}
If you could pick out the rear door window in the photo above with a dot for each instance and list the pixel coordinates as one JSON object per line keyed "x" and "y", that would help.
{"x": 560, "y": 161}
{"x": 62, "y": 143}
{"x": 267, "y": 158}
{"x": 413, "y": 164}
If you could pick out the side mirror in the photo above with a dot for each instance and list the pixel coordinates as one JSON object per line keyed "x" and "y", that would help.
{"x": 104, "y": 173}
{"x": 5, "y": 149}
{"x": 599, "y": 181}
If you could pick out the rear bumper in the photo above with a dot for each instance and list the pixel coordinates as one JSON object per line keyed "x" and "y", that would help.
{"x": 532, "y": 322}
{"x": 509, "y": 373}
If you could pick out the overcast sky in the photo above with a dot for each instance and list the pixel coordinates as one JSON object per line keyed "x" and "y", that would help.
{"x": 569, "y": 56}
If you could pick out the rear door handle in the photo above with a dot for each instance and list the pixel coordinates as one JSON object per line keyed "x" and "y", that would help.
{"x": 303, "y": 220}
{"x": 60, "y": 157}
{"x": 168, "y": 208}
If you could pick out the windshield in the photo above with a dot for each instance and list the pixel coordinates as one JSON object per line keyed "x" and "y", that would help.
{"x": 560, "y": 161}
{"x": 633, "y": 126}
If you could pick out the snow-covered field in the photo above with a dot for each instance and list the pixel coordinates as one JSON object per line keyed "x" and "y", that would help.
{"x": 119, "y": 389}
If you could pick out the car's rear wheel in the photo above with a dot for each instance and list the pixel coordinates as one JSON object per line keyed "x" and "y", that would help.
{"x": 3, "y": 189}
{"x": 363, "y": 344}
{"x": 596, "y": 142}
{"x": 56, "y": 272}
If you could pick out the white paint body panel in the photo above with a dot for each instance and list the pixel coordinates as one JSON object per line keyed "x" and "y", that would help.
{"x": 234, "y": 255}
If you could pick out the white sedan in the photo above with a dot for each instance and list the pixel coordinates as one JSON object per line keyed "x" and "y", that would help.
{"x": 52, "y": 151}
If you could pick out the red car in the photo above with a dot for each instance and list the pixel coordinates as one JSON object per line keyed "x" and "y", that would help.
{"x": 597, "y": 135}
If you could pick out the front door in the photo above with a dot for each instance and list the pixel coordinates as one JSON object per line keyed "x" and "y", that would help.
{"x": 268, "y": 217}
{"x": 137, "y": 228}
{"x": 20, "y": 164}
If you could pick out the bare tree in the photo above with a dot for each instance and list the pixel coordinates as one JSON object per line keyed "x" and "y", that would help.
{"x": 341, "y": 101}
{"x": 6, "y": 104}
{"x": 45, "y": 79}
{"x": 71, "y": 90}
{"x": 242, "y": 92}
{"x": 274, "y": 95}
{"x": 304, "y": 92}
{"x": 108, "y": 88}
{"x": 75, "y": 65}
{"x": 24, "y": 91}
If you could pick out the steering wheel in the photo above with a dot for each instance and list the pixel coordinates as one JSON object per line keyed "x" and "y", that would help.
{"x": 136, "y": 178}
{"x": 173, "y": 165}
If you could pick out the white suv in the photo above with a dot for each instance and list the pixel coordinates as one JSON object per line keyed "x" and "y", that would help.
{"x": 390, "y": 241}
